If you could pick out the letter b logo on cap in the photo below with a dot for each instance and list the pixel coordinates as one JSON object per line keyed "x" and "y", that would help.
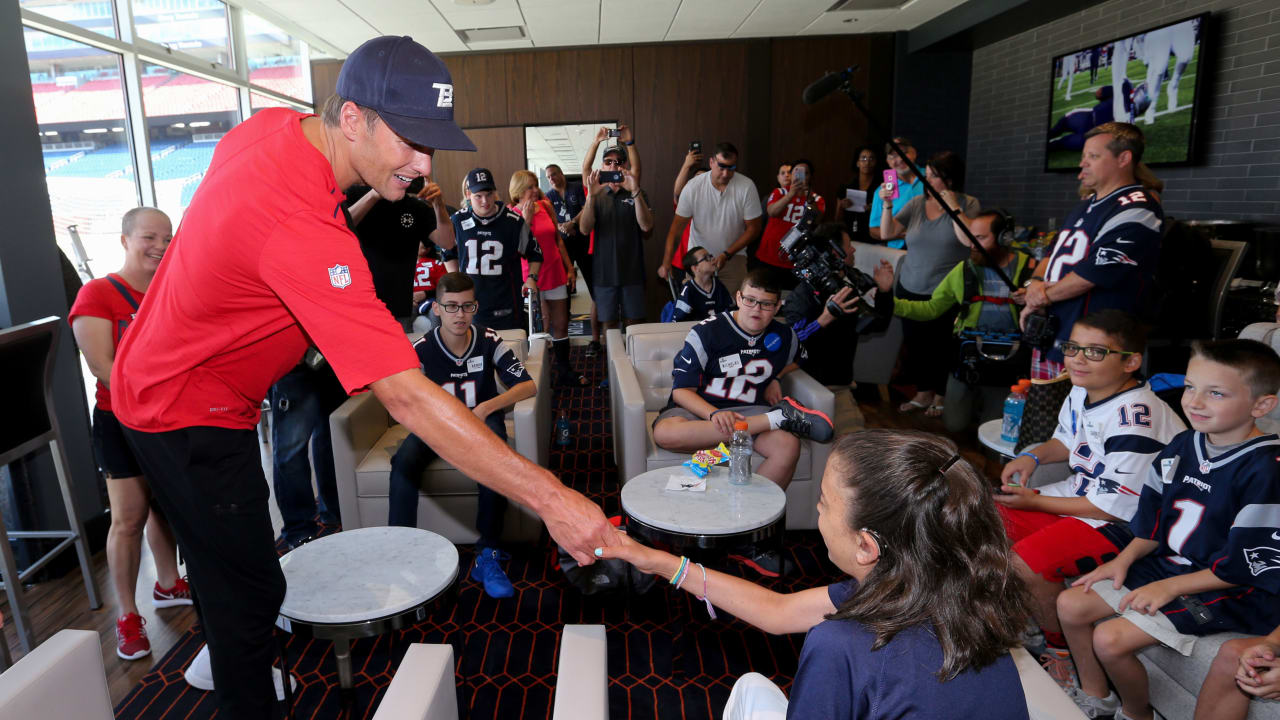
{"x": 445, "y": 99}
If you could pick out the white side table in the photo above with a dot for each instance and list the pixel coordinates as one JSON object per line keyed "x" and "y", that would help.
{"x": 722, "y": 518}
{"x": 989, "y": 436}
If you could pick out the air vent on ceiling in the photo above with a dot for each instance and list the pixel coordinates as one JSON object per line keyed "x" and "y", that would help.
{"x": 514, "y": 32}
{"x": 856, "y": 5}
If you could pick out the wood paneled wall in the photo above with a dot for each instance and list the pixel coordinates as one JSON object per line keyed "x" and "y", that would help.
{"x": 746, "y": 92}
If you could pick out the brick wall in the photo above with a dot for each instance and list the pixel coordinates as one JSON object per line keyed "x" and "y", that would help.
{"x": 1237, "y": 175}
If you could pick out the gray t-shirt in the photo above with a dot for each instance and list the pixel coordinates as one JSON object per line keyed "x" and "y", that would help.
{"x": 932, "y": 247}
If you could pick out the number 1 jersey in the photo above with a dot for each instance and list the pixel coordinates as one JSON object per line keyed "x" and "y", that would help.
{"x": 730, "y": 367}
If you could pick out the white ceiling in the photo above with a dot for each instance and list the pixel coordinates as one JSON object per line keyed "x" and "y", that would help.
{"x": 563, "y": 145}
{"x": 339, "y": 26}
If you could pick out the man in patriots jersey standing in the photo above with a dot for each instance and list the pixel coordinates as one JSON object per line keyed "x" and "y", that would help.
{"x": 1106, "y": 251}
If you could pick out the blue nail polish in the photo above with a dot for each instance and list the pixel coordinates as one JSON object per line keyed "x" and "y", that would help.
{"x": 599, "y": 552}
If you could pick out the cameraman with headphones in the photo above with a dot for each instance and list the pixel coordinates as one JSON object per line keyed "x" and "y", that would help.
{"x": 828, "y": 323}
{"x": 977, "y": 386}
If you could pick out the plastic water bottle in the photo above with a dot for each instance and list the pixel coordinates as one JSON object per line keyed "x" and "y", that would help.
{"x": 740, "y": 455}
{"x": 563, "y": 433}
{"x": 1013, "y": 407}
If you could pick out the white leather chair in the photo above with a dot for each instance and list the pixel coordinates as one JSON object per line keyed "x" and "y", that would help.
{"x": 62, "y": 679}
{"x": 640, "y": 384}
{"x": 365, "y": 438}
{"x": 1268, "y": 333}
{"x": 582, "y": 677}
{"x": 877, "y": 351}
{"x": 1045, "y": 700}
{"x": 423, "y": 686}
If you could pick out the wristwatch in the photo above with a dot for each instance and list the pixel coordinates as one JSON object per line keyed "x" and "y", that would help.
{"x": 533, "y": 276}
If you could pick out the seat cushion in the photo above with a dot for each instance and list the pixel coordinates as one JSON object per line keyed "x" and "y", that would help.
{"x": 373, "y": 473}
{"x": 660, "y": 458}
{"x": 652, "y": 355}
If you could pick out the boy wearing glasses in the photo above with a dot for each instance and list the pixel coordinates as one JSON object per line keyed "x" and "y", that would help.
{"x": 702, "y": 294}
{"x": 1110, "y": 428}
{"x": 728, "y": 372}
{"x": 467, "y": 360}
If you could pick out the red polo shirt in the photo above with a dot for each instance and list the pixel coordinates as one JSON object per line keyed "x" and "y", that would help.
{"x": 262, "y": 266}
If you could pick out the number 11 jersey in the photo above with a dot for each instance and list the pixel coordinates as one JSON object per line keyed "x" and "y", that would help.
{"x": 730, "y": 367}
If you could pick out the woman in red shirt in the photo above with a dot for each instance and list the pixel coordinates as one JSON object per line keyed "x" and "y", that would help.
{"x": 102, "y": 311}
{"x": 557, "y": 275}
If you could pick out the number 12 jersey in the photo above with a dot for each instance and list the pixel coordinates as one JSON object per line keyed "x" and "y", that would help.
{"x": 728, "y": 366}
{"x": 489, "y": 250}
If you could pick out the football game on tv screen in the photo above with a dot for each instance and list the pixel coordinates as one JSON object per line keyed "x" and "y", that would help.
{"x": 1150, "y": 78}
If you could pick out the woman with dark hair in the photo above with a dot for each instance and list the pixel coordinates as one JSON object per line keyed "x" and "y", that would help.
{"x": 868, "y": 174}
{"x": 933, "y": 248}
{"x": 924, "y": 624}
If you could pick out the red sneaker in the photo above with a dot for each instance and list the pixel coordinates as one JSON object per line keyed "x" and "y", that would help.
{"x": 179, "y": 594}
{"x": 131, "y": 638}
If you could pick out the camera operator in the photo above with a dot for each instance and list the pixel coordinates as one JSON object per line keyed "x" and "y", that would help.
{"x": 1106, "y": 252}
{"x": 978, "y": 383}
{"x": 827, "y": 313}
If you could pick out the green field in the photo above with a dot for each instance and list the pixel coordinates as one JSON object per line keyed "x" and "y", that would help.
{"x": 1166, "y": 139}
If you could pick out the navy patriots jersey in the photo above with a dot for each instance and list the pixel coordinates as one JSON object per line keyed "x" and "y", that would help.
{"x": 1220, "y": 513}
{"x": 728, "y": 366}
{"x": 470, "y": 377}
{"x": 489, "y": 250}
{"x": 694, "y": 304}
{"x": 1114, "y": 243}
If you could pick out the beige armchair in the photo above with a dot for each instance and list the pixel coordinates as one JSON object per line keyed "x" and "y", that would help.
{"x": 640, "y": 383}
{"x": 61, "y": 679}
{"x": 877, "y": 352}
{"x": 365, "y": 437}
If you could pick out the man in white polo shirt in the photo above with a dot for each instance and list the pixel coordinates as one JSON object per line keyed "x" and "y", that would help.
{"x": 725, "y": 210}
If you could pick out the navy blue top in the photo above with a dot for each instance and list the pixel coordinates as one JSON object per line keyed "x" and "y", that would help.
{"x": 840, "y": 676}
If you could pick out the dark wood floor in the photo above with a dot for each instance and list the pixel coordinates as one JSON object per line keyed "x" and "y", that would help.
{"x": 61, "y": 603}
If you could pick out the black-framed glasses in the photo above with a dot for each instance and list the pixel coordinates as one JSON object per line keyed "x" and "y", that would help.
{"x": 726, "y": 167}
{"x": 468, "y": 307}
{"x": 748, "y": 301}
{"x": 1091, "y": 352}
{"x": 704, "y": 258}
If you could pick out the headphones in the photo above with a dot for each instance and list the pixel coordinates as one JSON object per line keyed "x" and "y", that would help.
{"x": 1002, "y": 227}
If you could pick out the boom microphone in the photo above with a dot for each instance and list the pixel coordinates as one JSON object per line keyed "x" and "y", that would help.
{"x": 824, "y": 85}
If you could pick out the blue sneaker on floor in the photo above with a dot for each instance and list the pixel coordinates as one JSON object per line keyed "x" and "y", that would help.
{"x": 488, "y": 572}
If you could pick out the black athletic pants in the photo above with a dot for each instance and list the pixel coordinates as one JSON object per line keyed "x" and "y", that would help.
{"x": 210, "y": 485}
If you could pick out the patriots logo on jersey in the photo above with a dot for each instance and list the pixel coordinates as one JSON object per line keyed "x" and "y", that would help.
{"x": 1111, "y": 256}
{"x": 1262, "y": 559}
{"x": 1108, "y": 487}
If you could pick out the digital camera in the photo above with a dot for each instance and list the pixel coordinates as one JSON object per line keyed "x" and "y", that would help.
{"x": 820, "y": 261}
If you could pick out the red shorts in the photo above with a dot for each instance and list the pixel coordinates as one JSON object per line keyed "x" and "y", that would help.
{"x": 1057, "y": 547}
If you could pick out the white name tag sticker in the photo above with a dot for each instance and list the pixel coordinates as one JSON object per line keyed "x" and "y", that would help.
{"x": 468, "y": 223}
{"x": 475, "y": 364}
{"x": 729, "y": 363}
{"x": 1167, "y": 468}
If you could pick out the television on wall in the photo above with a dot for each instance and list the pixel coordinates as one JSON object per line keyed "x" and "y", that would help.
{"x": 1151, "y": 78}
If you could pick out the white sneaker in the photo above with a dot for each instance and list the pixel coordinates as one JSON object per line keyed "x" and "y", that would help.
{"x": 199, "y": 675}
{"x": 1094, "y": 707}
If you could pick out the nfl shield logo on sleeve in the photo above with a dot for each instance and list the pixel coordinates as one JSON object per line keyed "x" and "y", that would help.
{"x": 339, "y": 276}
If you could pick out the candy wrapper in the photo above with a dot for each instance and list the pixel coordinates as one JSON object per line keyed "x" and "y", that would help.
{"x": 698, "y": 470}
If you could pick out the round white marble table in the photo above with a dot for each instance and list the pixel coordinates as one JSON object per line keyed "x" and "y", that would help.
{"x": 721, "y": 518}
{"x": 362, "y": 583}
{"x": 989, "y": 436}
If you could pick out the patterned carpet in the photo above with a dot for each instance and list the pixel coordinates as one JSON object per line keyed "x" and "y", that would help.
{"x": 667, "y": 659}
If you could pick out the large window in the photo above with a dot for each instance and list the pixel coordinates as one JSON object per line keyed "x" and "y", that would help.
{"x": 186, "y": 116}
{"x": 195, "y": 27}
{"x": 277, "y": 60}
{"x": 94, "y": 15}
{"x": 89, "y": 169}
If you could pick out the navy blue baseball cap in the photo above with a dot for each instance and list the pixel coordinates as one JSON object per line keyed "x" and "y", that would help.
{"x": 409, "y": 87}
{"x": 618, "y": 150}
{"x": 479, "y": 179}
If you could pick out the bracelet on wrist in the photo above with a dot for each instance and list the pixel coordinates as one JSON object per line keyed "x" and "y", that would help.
{"x": 1031, "y": 455}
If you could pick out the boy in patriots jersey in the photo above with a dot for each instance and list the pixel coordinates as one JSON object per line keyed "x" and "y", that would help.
{"x": 1206, "y": 553}
{"x": 702, "y": 294}
{"x": 467, "y": 360}
{"x": 491, "y": 239}
{"x": 728, "y": 372}
{"x": 1109, "y": 429}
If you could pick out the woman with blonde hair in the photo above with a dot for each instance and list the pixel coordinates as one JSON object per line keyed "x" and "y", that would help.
{"x": 557, "y": 273}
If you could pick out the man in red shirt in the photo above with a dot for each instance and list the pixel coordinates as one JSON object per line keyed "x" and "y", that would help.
{"x": 263, "y": 266}
{"x": 784, "y": 209}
